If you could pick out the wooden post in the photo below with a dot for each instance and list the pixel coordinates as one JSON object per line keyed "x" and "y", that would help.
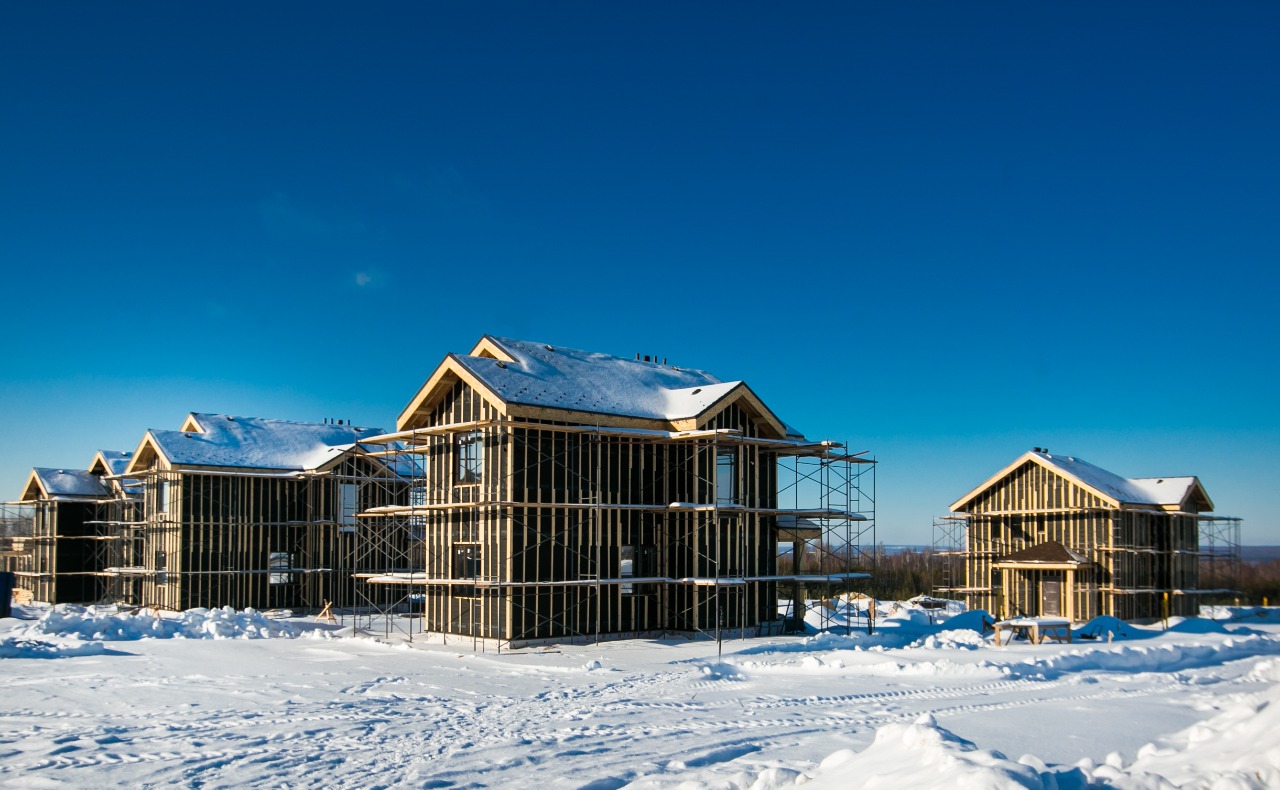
{"x": 1069, "y": 593}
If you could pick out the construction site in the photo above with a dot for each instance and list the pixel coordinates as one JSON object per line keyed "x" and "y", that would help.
{"x": 588, "y": 497}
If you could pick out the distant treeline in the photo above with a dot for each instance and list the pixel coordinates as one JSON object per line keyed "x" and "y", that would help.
{"x": 900, "y": 573}
{"x": 1257, "y": 580}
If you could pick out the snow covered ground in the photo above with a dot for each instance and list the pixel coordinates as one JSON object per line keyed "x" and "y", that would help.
{"x": 221, "y": 698}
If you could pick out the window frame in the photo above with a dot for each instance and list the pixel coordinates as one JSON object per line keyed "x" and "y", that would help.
{"x": 468, "y": 467}
{"x": 727, "y": 460}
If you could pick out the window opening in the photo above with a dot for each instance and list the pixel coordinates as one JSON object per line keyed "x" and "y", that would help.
{"x": 470, "y": 458}
{"x": 727, "y": 478}
{"x": 347, "y": 494}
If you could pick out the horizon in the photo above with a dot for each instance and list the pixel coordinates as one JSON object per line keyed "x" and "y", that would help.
{"x": 942, "y": 235}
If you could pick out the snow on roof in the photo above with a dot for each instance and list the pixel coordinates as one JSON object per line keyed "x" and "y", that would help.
{"x": 70, "y": 483}
{"x": 256, "y": 443}
{"x": 1164, "y": 490}
{"x": 566, "y": 378}
{"x": 116, "y": 460}
{"x": 1143, "y": 491}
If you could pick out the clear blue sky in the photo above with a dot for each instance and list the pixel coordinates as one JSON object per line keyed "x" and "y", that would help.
{"x": 944, "y": 233}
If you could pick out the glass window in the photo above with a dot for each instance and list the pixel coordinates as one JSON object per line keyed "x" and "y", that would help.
{"x": 727, "y": 478}
{"x": 470, "y": 452}
{"x": 162, "y": 497}
{"x": 280, "y": 562}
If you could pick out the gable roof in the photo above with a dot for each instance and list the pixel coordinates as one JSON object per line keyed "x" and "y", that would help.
{"x": 223, "y": 441}
{"x": 525, "y": 373}
{"x": 47, "y": 483}
{"x": 110, "y": 462}
{"x": 1150, "y": 491}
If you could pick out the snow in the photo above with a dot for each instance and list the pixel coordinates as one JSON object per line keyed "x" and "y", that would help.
{"x": 116, "y": 461}
{"x": 256, "y": 443}
{"x": 70, "y": 483}
{"x": 220, "y": 698}
{"x": 1142, "y": 491}
{"x": 566, "y": 378}
{"x": 1163, "y": 490}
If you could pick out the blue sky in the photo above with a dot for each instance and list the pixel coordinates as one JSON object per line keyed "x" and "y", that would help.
{"x": 944, "y": 233}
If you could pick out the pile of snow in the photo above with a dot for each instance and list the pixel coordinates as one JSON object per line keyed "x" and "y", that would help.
{"x": 1108, "y": 628}
{"x": 18, "y": 646}
{"x": 1237, "y": 748}
{"x": 111, "y": 626}
{"x": 952, "y": 639}
{"x": 1157, "y": 658}
{"x": 1266, "y": 614}
{"x": 921, "y": 754}
{"x": 976, "y": 620}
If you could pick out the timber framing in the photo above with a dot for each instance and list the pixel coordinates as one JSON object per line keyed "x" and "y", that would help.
{"x": 529, "y": 523}
{"x": 1054, "y": 535}
{"x": 274, "y": 532}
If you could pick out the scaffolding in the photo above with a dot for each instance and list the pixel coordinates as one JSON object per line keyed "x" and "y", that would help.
{"x": 832, "y": 495}
{"x": 1219, "y": 557}
{"x": 18, "y": 544}
{"x": 520, "y": 531}
{"x": 947, "y": 561}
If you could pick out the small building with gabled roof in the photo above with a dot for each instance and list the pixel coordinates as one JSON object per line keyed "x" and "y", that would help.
{"x": 568, "y": 494}
{"x": 55, "y": 542}
{"x": 1055, "y": 535}
{"x": 251, "y": 512}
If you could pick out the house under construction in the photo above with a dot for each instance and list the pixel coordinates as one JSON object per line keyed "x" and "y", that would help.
{"x": 54, "y": 536}
{"x": 560, "y": 494}
{"x": 249, "y": 512}
{"x": 1054, "y": 535}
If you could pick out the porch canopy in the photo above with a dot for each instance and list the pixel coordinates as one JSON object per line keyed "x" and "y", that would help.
{"x": 1048, "y": 556}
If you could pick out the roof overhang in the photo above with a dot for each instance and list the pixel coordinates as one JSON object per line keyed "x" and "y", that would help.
{"x": 743, "y": 396}
{"x": 1038, "y": 566}
{"x": 33, "y": 489}
{"x": 447, "y": 373}
{"x": 147, "y": 452}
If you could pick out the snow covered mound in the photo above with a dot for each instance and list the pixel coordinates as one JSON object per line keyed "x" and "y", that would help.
{"x": 17, "y": 646}
{"x": 952, "y": 639}
{"x": 922, "y": 754}
{"x": 225, "y": 623}
{"x": 1108, "y": 628}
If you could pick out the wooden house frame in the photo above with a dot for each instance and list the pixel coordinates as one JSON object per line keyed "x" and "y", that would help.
{"x": 1055, "y": 535}
{"x": 246, "y": 512}
{"x": 565, "y": 495}
{"x": 57, "y": 545}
